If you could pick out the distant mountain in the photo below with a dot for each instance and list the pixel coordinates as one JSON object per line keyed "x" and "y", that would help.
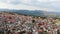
{"x": 25, "y": 12}
{"x": 28, "y": 12}
{"x": 52, "y": 13}
{"x": 32, "y": 12}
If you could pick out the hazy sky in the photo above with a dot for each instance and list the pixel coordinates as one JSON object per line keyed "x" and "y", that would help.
{"x": 46, "y": 5}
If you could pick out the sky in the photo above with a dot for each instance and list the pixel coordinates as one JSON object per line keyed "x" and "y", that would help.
{"x": 45, "y": 5}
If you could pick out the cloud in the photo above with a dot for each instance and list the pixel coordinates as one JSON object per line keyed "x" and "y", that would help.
{"x": 47, "y": 5}
{"x": 21, "y": 7}
{"x": 10, "y": 1}
{"x": 47, "y": 1}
